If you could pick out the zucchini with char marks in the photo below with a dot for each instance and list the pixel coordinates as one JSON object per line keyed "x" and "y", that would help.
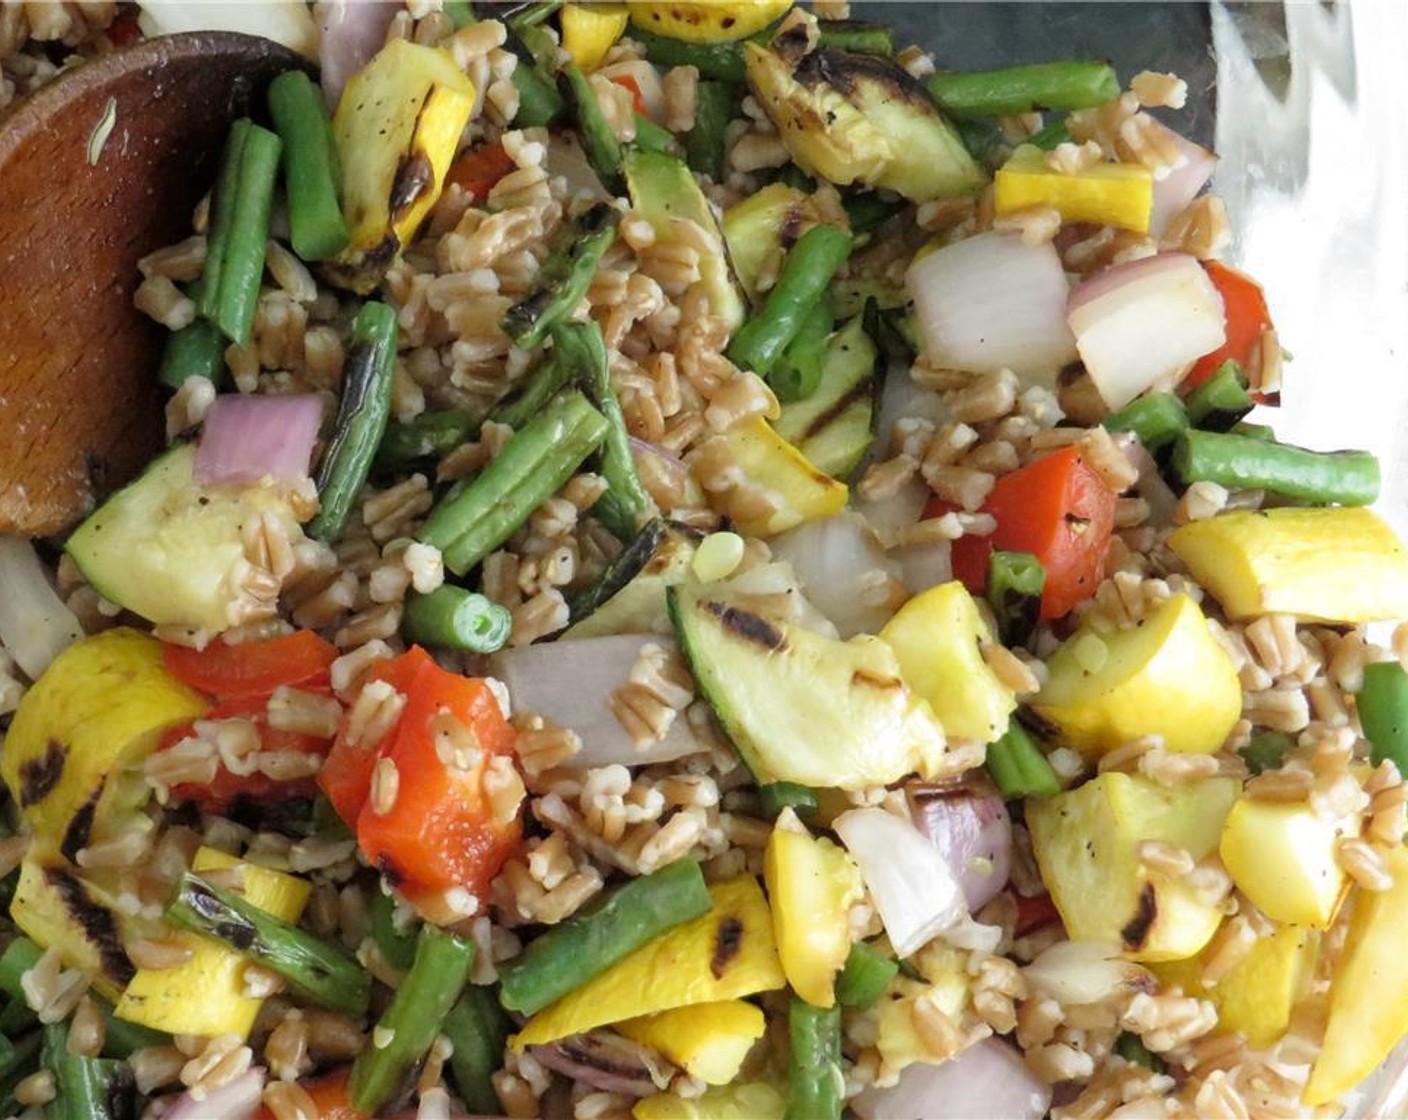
{"x": 629, "y": 596}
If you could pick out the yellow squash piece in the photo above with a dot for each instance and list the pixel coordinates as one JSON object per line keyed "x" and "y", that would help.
{"x": 1256, "y": 998}
{"x": 74, "y": 750}
{"x": 590, "y": 30}
{"x": 1166, "y": 677}
{"x": 812, "y": 884}
{"x": 938, "y": 637}
{"x": 769, "y": 463}
{"x": 1085, "y": 842}
{"x": 1282, "y": 857}
{"x": 706, "y": 21}
{"x": 205, "y": 995}
{"x": 749, "y": 1100}
{"x": 727, "y": 953}
{"x": 897, "y": 1034}
{"x": 707, "y": 1040}
{"x": 765, "y": 223}
{"x": 1107, "y": 194}
{"x": 1327, "y": 565}
{"x": 1369, "y": 994}
{"x": 397, "y": 128}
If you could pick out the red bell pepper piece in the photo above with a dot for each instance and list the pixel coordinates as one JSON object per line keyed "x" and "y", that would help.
{"x": 626, "y": 81}
{"x": 1244, "y": 309}
{"x": 478, "y": 169}
{"x": 298, "y": 660}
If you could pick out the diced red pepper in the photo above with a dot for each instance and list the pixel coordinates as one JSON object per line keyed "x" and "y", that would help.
{"x": 1057, "y": 508}
{"x": 330, "y": 1098}
{"x": 298, "y": 660}
{"x": 626, "y": 81}
{"x": 478, "y": 169}
{"x": 1244, "y": 310}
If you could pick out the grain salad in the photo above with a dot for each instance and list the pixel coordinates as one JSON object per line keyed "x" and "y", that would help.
{"x": 708, "y": 564}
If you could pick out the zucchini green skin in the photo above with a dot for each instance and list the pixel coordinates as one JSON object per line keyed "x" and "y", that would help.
{"x": 834, "y": 426}
{"x": 630, "y": 594}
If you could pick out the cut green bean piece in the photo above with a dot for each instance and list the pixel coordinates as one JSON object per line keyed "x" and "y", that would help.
{"x": 651, "y": 137}
{"x": 1132, "y": 1049}
{"x": 461, "y": 13}
{"x": 429, "y": 436}
{"x": 721, "y": 62}
{"x": 716, "y": 104}
{"x": 1156, "y": 418}
{"x": 321, "y": 971}
{"x": 24, "y": 1060}
{"x": 856, "y": 35}
{"x": 599, "y": 142}
{"x": 1253, "y": 431}
{"x": 1383, "y": 712}
{"x": 240, "y": 228}
{"x": 362, "y": 416}
{"x": 1220, "y": 401}
{"x": 625, "y": 506}
{"x": 865, "y": 977}
{"x": 397, "y": 947}
{"x": 798, "y": 372}
{"x": 471, "y": 522}
{"x": 530, "y": 15}
{"x": 868, "y": 211}
{"x": 773, "y": 797}
{"x": 196, "y": 350}
{"x": 543, "y": 383}
{"x": 564, "y": 278}
{"x": 86, "y": 1088}
{"x": 478, "y": 1028}
{"x": 453, "y": 618}
{"x": 317, "y": 228}
{"x": 1018, "y": 767}
{"x": 539, "y": 103}
{"x": 587, "y": 944}
{"x": 122, "y": 1039}
{"x": 1347, "y": 478}
{"x": 1050, "y": 137}
{"x": 806, "y": 271}
{"x": 407, "y": 1028}
{"x": 1266, "y": 751}
{"x": 816, "y": 1087}
{"x": 1015, "y": 583}
{"x": 19, "y": 957}
{"x": 1025, "y": 89}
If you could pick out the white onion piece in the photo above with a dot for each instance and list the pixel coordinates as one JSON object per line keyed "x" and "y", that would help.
{"x": 1084, "y": 972}
{"x": 924, "y": 563}
{"x": 918, "y": 897}
{"x": 35, "y": 624}
{"x": 1181, "y": 185}
{"x": 832, "y": 558}
{"x": 647, "y": 80}
{"x": 970, "y": 826}
{"x": 571, "y": 684}
{"x": 246, "y": 439}
{"x": 988, "y": 1081}
{"x": 350, "y": 32}
{"x": 992, "y": 302}
{"x": 285, "y": 21}
{"x": 1141, "y": 324}
{"x": 237, "y": 1099}
{"x": 566, "y": 159}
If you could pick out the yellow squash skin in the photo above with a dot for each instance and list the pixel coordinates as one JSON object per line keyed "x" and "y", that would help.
{"x": 812, "y": 884}
{"x": 802, "y": 491}
{"x": 725, "y": 954}
{"x": 1369, "y": 994}
{"x": 590, "y": 30}
{"x": 706, "y": 21}
{"x": 1166, "y": 677}
{"x": 1320, "y": 565}
{"x": 97, "y": 711}
{"x": 1107, "y": 194}
{"x": 1282, "y": 857}
{"x": 748, "y": 1100}
{"x": 938, "y": 637}
{"x": 708, "y": 1040}
{"x": 205, "y": 995}
{"x": 1085, "y": 842}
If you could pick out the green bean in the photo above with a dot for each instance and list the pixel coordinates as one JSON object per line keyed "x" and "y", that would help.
{"x": 362, "y": 416}
{"x": 317, "y": 228}
{"x": 411, "y": 1021}
{"x": 1253, "y": 431}
{"x": 651, "y": 137}
{"x": 1025, "y": 89}
{"x": 24, "y": 1060}
{"x": 239, "y": 226}
{"x": 625, "y": 506}
{"x": 716, "y": 105}
{"x": 855, "y": 35}
{"x": 461, "y": 13}
{"x": 196, "y": 350}
{"x": 721, "y": 62}
{"x": 1266, "y": 750}
{"x": 587, "y": 944}
{"x": 798, "y": 372}
{"x": 453, "y": 618}
{"x": 542, "y": 384}
{"x": 1132, "y": 1049}
{"x": 1349, "y": 478}
{"x": 773, "y": 797}
{"x": 1050, "y": 137}
{"x": 428, "y": 436}
{"x": 122, "y": 1039}
{"x": 1015, "y": 583}
{"x": 982, "y": 138}
{"x": 868, "y": 211}
{"x": 602, "y": 149}
{"x": 539, "y": 103}
{"x": 563, "y": 280}
{"x": 886, "y": 330}
{"x": 525, "y": 16}
{"x": 816, "y": 1087}
{"x": 865, "y": 977}
{"x": 471, "y": 522}
{"x": 477, "y": 1028}
{"x": 1220, "y": 401}
{"x": 1156, "y": 418}
{"x": 19, "y": 957}
{"x": 318, "y": 969}
{"x": 397, "y": 948}
{"x": 1383, "y": 712}
{"x": 1018, "y": 766}
{"x": 806, "y": 272}
{"x": 86, "y": 1088}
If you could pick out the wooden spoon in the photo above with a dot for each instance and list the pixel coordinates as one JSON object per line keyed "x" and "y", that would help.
{"x": 80, "y": 411}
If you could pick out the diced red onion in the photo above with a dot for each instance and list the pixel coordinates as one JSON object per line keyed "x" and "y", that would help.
{"x": 970, "y": 826}
{"x": 988, "y": 1081}
{"x": 285, "y": 21}
{"x": 833, "y": 557}
{"x": 1181, "y": 185}
{"x": 992, "y": 302}
{"x": 237, "y": 1099}
{"x": 595, "y": 1061}
{"x": 571, "y": 684}
{"x": 909, "y": 880}
{"x": 350, "y": 32}
{"x": 35, "y": 624}
{"x": 1151, "y": 485}
{"x": 246, "y": 439}
{"x": 647, "y": 80}
{"x": 1140, "y": 324}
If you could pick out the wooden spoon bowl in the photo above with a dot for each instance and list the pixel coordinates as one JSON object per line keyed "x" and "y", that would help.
{"x": 80, "y": 410}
